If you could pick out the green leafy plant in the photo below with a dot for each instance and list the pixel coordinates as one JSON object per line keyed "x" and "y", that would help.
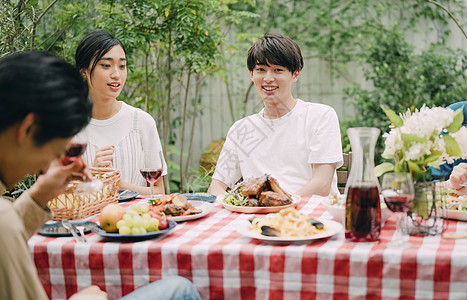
{"x": 199, "y": 180}
{"x": 22, "y": 186}
{"x": 401, "y": 78}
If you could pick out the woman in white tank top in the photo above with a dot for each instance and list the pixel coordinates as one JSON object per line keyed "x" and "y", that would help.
{"x": 118, "y": 135}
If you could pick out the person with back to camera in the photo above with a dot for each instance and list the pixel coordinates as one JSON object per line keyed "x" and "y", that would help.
{"x": 44, "y": 102}
{"x": 118, "y": 134}
{"x": 294, "y": 141}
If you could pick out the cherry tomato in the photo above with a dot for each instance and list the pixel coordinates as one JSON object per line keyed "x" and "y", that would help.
{"x": 163, "y": 221}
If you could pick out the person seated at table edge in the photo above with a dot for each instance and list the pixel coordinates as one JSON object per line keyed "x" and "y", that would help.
{"x": 296, "y": 142}
{"x": 118, "y": 135}
{"x": 44, "y": 103}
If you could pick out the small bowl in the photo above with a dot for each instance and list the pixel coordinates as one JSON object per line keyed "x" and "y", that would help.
{"x": 338, "y": 211}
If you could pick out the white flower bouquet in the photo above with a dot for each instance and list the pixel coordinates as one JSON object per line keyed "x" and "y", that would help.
{"x": 421, "y": 138}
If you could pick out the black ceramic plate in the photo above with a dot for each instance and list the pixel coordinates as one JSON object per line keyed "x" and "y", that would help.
{"x": 57, "y": 229}
{"x": 200, "y": 197}
{"x": 125, "y": 195}
{"x": 133, "y": 237}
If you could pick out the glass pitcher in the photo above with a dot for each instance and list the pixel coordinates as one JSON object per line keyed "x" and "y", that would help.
{"x": 362, "y": 209}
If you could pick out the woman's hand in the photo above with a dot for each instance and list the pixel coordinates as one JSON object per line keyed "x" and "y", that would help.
{"x": 104, "y": 156}
{"x": 55, "y": 180}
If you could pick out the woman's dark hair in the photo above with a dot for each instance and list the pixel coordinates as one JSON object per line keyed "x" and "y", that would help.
{"x": 94, "y": 45}
{"x": 47, "y": 86}
{"x": 275, "y": 49}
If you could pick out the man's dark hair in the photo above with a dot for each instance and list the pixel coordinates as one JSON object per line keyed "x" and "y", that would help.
{"x": 94, "y": 45}
{"x": 47, "y": 86}
{"x": 275, "y": 49}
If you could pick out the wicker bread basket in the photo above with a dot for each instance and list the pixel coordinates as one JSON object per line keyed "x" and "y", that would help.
{"x": 72, "y": 206}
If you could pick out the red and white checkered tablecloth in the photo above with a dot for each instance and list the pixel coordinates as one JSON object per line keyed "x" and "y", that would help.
{"x": 223, "y": 264}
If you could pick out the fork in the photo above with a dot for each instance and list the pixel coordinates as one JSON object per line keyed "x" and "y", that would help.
{"x": 66, "y": 223}
{"x": 81, "y": 231}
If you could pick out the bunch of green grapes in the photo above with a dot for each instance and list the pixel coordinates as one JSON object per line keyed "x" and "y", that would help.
{"x": 137, "y": 220}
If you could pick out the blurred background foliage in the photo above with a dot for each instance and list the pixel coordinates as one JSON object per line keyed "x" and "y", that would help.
{"x": 173, "y": 46}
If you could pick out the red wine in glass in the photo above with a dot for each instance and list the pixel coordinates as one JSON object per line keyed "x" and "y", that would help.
{"x": 73, "y": 153}
{"x": 151, "y": 176}
{"x": 75, "y": 150}
{"x": 398, "y": 193}
{"x": 363, "y": 214}
{"x": 399, "y": 203}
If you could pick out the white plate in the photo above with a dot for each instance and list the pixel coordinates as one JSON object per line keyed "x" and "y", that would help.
{"x": 456, "y": 214}
{"x": 204, "y": 206}
{"x": 126, "y": 195}
{"x": 261, "y": 209}
{"x": 333, "y": 228}
{"x": 200, "y": 197}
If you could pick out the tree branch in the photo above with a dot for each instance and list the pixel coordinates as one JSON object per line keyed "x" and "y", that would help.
{"x": 45, "y": 11}
{"x": 451, "y": 15}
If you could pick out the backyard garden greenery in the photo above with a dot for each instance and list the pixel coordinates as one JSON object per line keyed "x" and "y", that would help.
{"x": 173, "y": 46}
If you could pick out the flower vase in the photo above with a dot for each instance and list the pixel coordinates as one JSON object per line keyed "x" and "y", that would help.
{"x": 426, "y": 215}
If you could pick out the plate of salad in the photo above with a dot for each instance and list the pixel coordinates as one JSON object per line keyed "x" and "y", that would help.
{"x": 456, "y": 206}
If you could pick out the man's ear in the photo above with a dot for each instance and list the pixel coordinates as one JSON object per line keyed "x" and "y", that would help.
{"x": 251, "y": 75}
{"x": 25, "y": 128}
{"x": 295, "y": 75}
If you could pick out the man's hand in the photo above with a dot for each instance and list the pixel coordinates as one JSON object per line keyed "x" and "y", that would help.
{"x": 459, "y": 176}
{"x": 104, "y": 156}
{"x": 217, "y": 188}
{"x": 55, "y": 180}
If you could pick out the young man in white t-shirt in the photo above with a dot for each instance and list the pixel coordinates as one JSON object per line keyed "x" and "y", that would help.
{"x": 296, "y": 142}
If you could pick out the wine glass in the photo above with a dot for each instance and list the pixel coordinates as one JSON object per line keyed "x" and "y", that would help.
{"x": 152, "y": 174}
{"x": 74, "y": 152}
{"x": 398, "y": 193}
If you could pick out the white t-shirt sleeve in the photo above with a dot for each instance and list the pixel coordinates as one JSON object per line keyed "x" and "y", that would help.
{"x": 324, "y": 139}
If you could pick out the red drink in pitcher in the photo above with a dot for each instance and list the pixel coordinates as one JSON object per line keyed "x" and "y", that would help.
{"x": 363, "y": 214}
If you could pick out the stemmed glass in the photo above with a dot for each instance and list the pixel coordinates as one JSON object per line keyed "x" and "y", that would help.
{"x": 73, "y": 153}
{"x": 398, "y": 193}
{"x": 152, "y": 174}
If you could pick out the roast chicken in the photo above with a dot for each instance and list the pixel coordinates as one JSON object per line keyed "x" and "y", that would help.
{"x": 265, "y": 191}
